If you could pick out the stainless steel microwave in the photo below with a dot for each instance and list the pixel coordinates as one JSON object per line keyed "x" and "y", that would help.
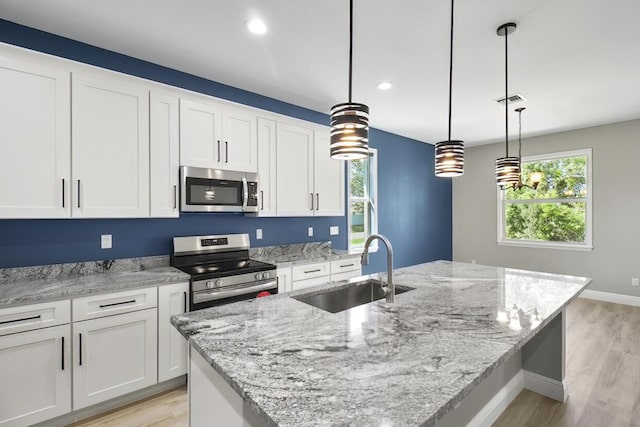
{"x": 215, "y": 190}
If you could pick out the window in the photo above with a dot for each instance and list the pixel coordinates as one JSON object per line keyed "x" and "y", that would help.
{"x": 558, "y": 213}
{"x": 363, "y": 216}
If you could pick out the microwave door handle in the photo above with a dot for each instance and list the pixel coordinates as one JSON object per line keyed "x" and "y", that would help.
{"x": 245, "y": 193}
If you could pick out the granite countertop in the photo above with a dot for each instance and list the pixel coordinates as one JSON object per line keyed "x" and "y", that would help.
{"x": 32, "y": 285}
{"x": 403, "y": 364}
{"x": 299, "y": 254}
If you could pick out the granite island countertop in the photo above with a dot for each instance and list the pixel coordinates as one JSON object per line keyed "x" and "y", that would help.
{"x": 299, "y": 254}
{"x": 32, "y": 285}
{"x": 403, "y": 364}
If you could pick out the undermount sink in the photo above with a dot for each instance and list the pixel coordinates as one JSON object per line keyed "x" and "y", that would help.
{"x": 351, "y": 295}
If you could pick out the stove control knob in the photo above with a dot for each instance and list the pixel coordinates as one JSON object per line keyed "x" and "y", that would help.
{"x": 218, "y": 283}
{"x": 259, "y": 276}
{"x": 265, "y": 275}
{"x": 210, "y": 284}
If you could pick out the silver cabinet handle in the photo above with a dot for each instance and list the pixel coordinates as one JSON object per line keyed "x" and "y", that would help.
{"x": 117, "y": 303}
{"x": 218, "y": 151}
{"x": 20, "y": 320}
{"x": 261, "y": 200}
{"x": 185, "y": 302}
{"x": 311, "y": 201}
{"x": 313, "y": 271}
{"x": 80, "y": 349}
{"x": 78, "y": 193}
{"x": 63, "y": 192}
{"x": 175, "y": 196}
{"x": 63, "y": 353}
{"x": 226, "y": 151}
{"x": 347, "y": 265}
{"x": 317, "y": 201}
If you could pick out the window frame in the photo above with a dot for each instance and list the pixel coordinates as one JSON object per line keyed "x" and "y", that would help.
{"x": 588, "y": 243}
{"x": 371, "y": 200}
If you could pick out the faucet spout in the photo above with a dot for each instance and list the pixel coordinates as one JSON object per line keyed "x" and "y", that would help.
{"x": 391, "y": 289}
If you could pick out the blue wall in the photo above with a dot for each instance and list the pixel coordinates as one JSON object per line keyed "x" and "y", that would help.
{"x": 414, "y": 208}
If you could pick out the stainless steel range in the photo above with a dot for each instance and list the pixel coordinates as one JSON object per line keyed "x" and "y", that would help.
{"x": 221, "y": 270}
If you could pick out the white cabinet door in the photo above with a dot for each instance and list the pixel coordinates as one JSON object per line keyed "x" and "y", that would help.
{"x": 267, "y": 167}
{"x": 35, "y": 137}
{"x": 328, "y": 178}
{"x": 173, "y": 348}
{"x": 200, "y": 134}
{"x": 114, "y": 355}
{"x": 240, "y": 139}
{"x": 294, "y": 171}
{"x": 35, "y": 379}
{"x": 164, "y": 154}
{"x": 284, "y": 279}
{"x": 110, "y": 150}
{"x": 302, "y": 284}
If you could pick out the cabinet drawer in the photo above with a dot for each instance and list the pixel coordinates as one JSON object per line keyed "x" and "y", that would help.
{"x": 302, "y": 284}
{"x": 344, "y": 265}
{"x": 309, "y": 271}
{"x": 34, "y": 316}
{"x": 115, "y": 303}
{"x": 345, "y": 276}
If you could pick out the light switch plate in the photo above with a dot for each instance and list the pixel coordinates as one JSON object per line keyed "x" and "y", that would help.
{"x": 310, "y": 231}
{"x": 258, "y": 233}
{"x": 105, "y": 241}
{"x": 334, "y": 230}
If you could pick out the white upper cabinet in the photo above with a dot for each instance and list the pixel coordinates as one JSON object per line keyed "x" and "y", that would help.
{"x": 240, "y": 139}
{"x": 164, "y": 154}
{"x": 214, "y": 135}
{"x": 294, "y": 174}
{"x": 328, "y": 178}
{"x": 308, "y": 181}
{"x": 267, "y": 167}
{"x": 34, "y": 141}
{"x": 110, "y": 150}
{"x": 200, "y": 134}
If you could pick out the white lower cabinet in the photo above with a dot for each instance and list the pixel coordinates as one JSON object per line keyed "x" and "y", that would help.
{"x": 284, "y": 279}
{"x": 113, "y": 356}
{"x": 35, "y": 379}
{"x": 173, "y": 348}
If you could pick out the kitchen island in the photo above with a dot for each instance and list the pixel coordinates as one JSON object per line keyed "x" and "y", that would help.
{"x": 280, "y": 361}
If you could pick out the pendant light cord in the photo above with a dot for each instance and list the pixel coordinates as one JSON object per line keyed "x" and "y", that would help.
{"x": 450, "y": 69}
{"x": 506, "y": 90}
{"x": 350, "y": 47}
{"x": 520, "y": 134}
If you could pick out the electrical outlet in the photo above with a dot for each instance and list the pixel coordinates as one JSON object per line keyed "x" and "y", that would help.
{"x": 634, "y": 281}
{"x": 473, "y": 261}
{"x": 259, "y": 233}
{"x": 105, "y": 241}
{"x": 310, "y": 231}
{"x": 334, "y": 231}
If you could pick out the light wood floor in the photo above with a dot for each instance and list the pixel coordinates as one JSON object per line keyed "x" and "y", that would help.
{"x": 602, "y": 369}
{"x": 603, "y": 372}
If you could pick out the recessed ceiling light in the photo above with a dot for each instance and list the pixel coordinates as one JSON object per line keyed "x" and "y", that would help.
{"x": 256, "y": 26}
{"x": 385, "y": 85}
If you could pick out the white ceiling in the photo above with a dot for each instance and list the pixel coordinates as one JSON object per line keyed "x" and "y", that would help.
{"x": 576, "y": 61}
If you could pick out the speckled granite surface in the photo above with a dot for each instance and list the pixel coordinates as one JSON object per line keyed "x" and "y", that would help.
{"x": 31, "y": 285}
{"x": 405, "y": 364}
{"x": 296, "y": 254}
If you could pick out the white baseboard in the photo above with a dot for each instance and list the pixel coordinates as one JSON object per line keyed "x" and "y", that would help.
{"x": 611, "y": 297}
{"x": 553, "y": 389}
{"x": 496, "y": 406}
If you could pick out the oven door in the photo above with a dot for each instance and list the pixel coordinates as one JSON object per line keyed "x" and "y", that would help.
{"x": 229, "y": 294}
{"x": 213, "y": 190}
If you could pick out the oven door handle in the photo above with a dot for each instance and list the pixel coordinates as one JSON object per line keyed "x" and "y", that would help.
{"x": 245, "y": 193}
{"x": 221, "y": 294}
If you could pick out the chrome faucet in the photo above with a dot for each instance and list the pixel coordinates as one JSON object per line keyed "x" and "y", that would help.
{"x": 390, "y": 289}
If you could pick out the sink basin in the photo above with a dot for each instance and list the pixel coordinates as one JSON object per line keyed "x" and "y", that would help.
{"x": 351, "y": 295}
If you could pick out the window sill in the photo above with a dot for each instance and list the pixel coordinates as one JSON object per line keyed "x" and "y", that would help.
{"x": 544, "y": 245}
{"x": 359, "y": 251}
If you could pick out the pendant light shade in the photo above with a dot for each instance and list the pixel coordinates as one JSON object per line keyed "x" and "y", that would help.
{"x": 449, "y": 154}
{"x": 349, "y": 131}
{"x": 350, "y": 120}
{"x": 507, "y": 167}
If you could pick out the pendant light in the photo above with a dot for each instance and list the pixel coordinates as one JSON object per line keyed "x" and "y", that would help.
{"x": 536, "y": 177}
{"x": 507, "y": 168}
{"x": 449, "y": 155}
{"x": 350, "y": 120}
